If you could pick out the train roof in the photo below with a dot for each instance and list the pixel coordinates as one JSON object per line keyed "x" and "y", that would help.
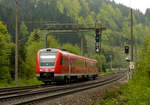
{"x": 67, "y": 53}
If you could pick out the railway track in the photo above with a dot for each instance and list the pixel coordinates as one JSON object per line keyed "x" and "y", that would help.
{"x": 48, "y": 93}
{"x": 16, "y": 90}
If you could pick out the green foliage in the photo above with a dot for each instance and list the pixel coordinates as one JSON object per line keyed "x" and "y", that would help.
{"x": 33, "y": 44}
{"x": 23, "y": 30}
{"x": 5, "y": 52}
{"x": 29, "y": 82}
{"x": 73, "y": 49}
{"x": 22, "y": 82}
{"x": 60, "y": 7}
{"x": 52, "y": 42}
{"x": 137, "y": 91}
{"x": 108, "y": 71}
{"x": 101, "y": 62}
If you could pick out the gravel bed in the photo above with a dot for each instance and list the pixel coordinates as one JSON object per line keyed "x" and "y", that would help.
{"x": 86, "y": 97}
{"x": 80, "y": 98}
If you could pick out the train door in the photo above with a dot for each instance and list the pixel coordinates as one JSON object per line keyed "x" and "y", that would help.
{"x": 87, "y": 69}
{"x": 65, "y": 65}
{"x": 69, "y": 66}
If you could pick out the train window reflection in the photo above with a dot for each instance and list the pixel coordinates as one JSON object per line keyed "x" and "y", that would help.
{"x": 47, "y": 59}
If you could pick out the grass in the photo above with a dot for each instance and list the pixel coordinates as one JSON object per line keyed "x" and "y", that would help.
{"x": 21, "y": 82}
{"x": 108, "y": 71}
{"x": 115, "y": 97}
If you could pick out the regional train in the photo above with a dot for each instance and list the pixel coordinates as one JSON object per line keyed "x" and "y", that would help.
{"x": 59, "y": 65}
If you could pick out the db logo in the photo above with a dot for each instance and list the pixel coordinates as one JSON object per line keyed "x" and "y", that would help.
{"x": 46, "y": 70}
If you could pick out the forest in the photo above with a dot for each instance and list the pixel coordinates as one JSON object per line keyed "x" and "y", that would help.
{"x": 34, "y": 14}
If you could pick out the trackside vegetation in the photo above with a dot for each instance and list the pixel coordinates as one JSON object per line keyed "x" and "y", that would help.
{"x": 137, "y": 90}
{"x": 5, "y": 52}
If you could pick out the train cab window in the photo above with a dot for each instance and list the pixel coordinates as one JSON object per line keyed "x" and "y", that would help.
{"x": 47, "y": 59}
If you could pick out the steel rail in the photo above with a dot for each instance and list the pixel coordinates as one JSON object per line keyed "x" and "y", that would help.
{"x": 53, "y": 90}
{"x": 21, "y": 89}
{"x": 17, "y": 88}
{"x": 70, "y": 91}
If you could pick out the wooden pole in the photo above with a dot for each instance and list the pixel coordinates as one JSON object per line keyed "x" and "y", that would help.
{"x": 132, "y": 41}
{"x": 16, "y": 54}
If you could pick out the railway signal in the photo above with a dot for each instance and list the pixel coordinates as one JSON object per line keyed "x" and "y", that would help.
{"x": 75, "y": 28}
{"x": 97, "y": 35}
{"x": 126, "y": 49}
{"x": 97, "y": 38}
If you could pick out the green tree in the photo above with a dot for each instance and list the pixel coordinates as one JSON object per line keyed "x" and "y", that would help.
{"x": 22, "y": 52}
{"x": 23, "y": 30}
{"x": 5, "y": 52}
{"x": 101, "y": 62}
{"x": 52, "y": 42}
{"x": 33, "y": 44}
{"x": 73, "y": 49}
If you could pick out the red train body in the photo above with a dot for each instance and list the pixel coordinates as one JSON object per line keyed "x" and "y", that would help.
{"x": 56, "y": 65}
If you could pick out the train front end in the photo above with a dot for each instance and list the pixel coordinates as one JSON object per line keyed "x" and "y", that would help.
{"x": 45, "y": 64}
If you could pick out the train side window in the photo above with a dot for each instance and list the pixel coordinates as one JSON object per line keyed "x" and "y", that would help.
{"x": 73, "y": 62}
{"x": 61, "y": 60}
{"x": 65, "y": 60}
{"x": 97, "y": 65}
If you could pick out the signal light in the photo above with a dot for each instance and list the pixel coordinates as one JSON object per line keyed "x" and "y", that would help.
{"x": 126, "y": 49}
{"x": 97, "y": 49}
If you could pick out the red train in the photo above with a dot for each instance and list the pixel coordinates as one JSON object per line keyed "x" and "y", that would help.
{"x": 57, "y": 65}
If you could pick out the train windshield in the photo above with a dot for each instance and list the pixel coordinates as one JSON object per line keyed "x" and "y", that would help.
{"x": 47, "y": 59}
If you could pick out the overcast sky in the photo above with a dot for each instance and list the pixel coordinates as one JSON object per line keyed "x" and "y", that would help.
{"x": 142, "y": 5}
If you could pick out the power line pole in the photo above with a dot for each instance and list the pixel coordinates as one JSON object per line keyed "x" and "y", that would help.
{"x": 132, "y": 40}
{"x": 100, "y": 49}
{"x": 16, "y": 55}
{"x": 111, "y": 62}
{"x": 131, "y": 66}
